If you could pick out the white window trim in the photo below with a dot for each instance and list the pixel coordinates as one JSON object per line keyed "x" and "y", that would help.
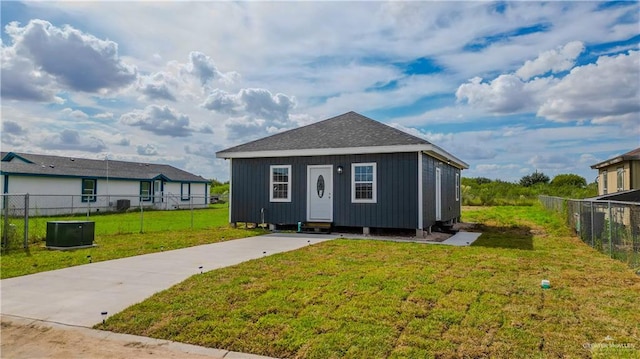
{"x": 620, "y": 179}
{"x": 457, "y": 187}
{"x": 374, "y": 184}
{"x": 271, "y": 168}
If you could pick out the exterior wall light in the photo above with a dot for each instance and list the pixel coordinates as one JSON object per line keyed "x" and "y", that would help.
{"x": 340, "y": 169}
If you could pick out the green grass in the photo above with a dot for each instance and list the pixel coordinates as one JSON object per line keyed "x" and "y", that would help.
{"x": 130, "y": 222}
{"x": 374, "y": 299}
{"x": 111, "y": 244}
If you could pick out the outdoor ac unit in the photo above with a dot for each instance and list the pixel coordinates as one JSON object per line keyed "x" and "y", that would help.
{"x": 70, "y": 234}
{"x": 123, "y": 204}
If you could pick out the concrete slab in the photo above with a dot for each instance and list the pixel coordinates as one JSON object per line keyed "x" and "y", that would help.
{"x": 462, "y": 239}
{"x": 77, "y": 295}
{"x": 459, "y": 239}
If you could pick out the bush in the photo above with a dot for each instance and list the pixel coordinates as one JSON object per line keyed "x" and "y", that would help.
{"x": 479, "y": 192}
{"x": 533, "y": 179}
{"x": 569, "y": 180}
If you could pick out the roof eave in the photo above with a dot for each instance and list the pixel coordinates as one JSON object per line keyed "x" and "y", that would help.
{"x": 429, "y": 149}
{"x": 612, "y": 161}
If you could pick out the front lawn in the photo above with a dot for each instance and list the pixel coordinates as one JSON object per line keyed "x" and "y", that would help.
{"x": 374, "y": 299}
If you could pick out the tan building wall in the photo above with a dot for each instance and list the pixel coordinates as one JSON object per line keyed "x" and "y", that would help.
{"x": 611, "y": 181}
{"x": 635, "y": 175}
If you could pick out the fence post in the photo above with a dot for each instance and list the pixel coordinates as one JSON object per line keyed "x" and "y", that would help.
{"x": 610, "y": 231}
{"x": 5, "y": 210}
{"x": 141, "y": 218}
{"x": 593, "y": 242}
{"x": 191, "y": 208}
{"x": 5, "y": 232}
{"x": 26, "y": 221}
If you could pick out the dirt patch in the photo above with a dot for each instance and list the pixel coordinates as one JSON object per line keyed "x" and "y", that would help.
{"x": 437, "y": 237}
{"x": 466, "y": 227}
{"x": 35, "y": 340}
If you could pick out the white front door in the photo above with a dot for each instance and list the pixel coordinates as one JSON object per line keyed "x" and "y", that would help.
{"x": 157, "y": 191}
{"x": 438, "y": 194}
{"x": 320, "y": 193}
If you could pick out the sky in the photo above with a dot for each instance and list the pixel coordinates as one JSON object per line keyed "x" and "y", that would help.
{"x": 508, "y": 87}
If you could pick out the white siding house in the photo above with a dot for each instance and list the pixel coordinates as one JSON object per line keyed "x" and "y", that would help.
{"x": 59, "y": 185}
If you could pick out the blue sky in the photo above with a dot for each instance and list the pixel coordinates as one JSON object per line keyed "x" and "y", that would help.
{"x": 509, "y": 87}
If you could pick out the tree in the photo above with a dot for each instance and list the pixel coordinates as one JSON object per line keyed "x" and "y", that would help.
{"x": 215, "y": 182}
{"x": 482, "y": 180}
{"x": 569, "y": 180}
{"x": 534, "y": 178}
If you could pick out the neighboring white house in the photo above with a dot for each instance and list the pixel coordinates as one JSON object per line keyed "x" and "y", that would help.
{"x": 76, "y": 185}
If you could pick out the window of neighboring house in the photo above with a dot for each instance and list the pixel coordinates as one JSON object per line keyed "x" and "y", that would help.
{"x": 620, "y": 179}
{"x": 89, "y": 189}
{"x": 185, "y": 191}
{"x": 363, "y": 183}
{"x": 457, "y": 187}
{"x": 145, "y": 191}
{"x": 605, "y": 182}
{"x": 280, "y": 183}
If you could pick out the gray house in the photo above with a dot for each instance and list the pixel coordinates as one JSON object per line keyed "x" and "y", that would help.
{"x": 346, "y": 171}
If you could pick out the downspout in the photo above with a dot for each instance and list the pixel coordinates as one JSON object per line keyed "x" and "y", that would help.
{"x": 420, "y": 199}
{"x": 5, "y": 208}
{"x": 230, "y": 186}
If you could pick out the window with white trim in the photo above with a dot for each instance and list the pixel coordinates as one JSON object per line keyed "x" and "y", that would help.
{"x": 620, "y": 179}
{"x": 363, "y": 183}
{"x": 145, "y": 191}
{"x": 457, "y": 187}
{"x": 605, "y": 182}
{"x": 280, "y": 183}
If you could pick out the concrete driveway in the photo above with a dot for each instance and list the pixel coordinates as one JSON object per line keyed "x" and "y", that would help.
{"x": 78, "y": 295}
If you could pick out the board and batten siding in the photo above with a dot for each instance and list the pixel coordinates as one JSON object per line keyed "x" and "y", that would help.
{"x": 397, "y": 191}
{"x": 450, "y": 208}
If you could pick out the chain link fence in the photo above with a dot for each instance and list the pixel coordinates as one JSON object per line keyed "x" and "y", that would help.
{"x": 24, "y": 217}
{"x": 611, "y": 227}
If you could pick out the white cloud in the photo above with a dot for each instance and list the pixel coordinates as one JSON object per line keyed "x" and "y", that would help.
{"x": 605, "y": 91}
{"x": 147, "y": 150}
{"x": 104, "y": 115}
{"x": 488, "y": 168}
{"x": 71, "y": 140}
{"x": 10, "y": 127}
{"x": 70, "y": 58}
{"x": 160, "y": 120}
{"x": 561, "y": 59}
{"x": 253, "y": 101}
{"x": 551, "y": 161}
{"x": 202, "y": 67}
{"x": 72, "y": 114}
{"x": 21, "y": 80}
{"x": 12, "y": 133}
{"x": 503, "y": 95}
{"x": 158, "y": 86}
{"x": 608, "y": 88}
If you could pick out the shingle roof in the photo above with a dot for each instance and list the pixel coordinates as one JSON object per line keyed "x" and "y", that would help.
{"x": 348, "y": 130}
{"x": 633, "y": 155}
{"x": 45, "y": 165}
{"x": 347, "y": 133}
